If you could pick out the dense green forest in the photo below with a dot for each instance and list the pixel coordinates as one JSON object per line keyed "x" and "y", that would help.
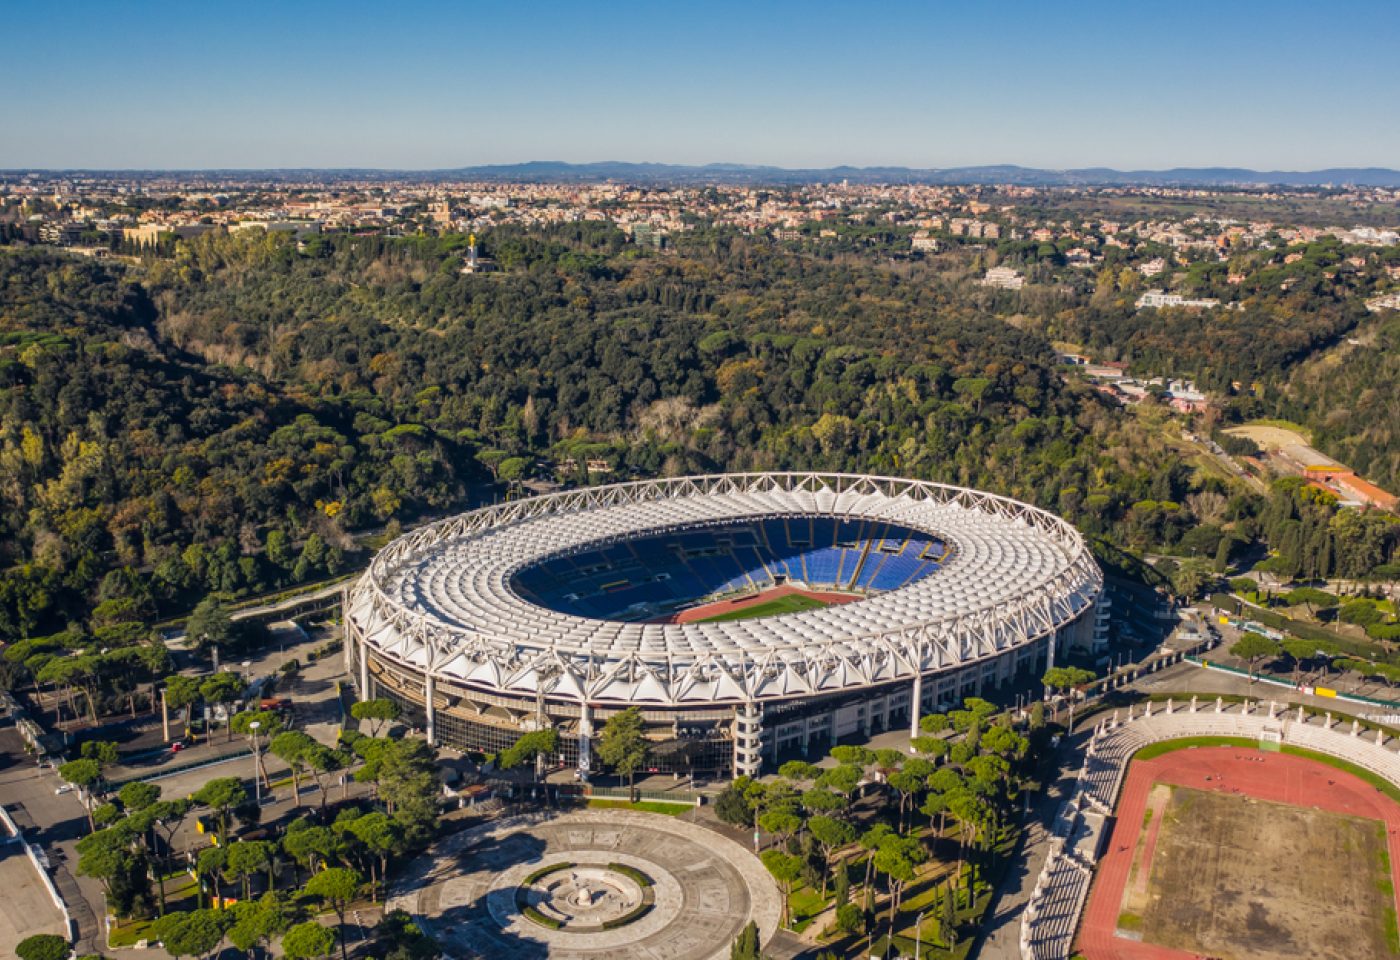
{"x": 220, "y": 421}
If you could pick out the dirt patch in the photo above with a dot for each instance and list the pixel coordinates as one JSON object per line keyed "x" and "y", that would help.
{"x": 1234, "y": 876}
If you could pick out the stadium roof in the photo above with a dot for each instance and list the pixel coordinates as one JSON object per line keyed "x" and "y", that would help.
{"x": 440, "y": 598}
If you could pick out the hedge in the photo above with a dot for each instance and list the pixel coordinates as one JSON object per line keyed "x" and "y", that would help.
{"x": 546, "y": 871}
{"x": 541, "y": 919}
{"x": 641, "y": 879}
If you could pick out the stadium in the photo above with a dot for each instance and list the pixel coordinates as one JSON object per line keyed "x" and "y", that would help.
{"x": 749, "y": 616}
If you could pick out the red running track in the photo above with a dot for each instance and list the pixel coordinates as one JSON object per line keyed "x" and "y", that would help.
{"x": 1279, "y": 777}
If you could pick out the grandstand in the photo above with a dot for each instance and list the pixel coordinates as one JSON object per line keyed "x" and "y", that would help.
{"x": 560, "y": 610}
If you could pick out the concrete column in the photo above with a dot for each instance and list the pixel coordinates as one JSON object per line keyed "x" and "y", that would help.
{"x": 585, "y": 740}
{"x": 1050, "y": 651}
{"x": 916, "y": 705}
{"x": 164, "y": 717}
{"x": 365, "y": 692}
{"x": 428, "y": 709}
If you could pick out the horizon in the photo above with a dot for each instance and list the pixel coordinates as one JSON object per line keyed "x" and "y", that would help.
{"x": 436, "y": 86}
{"x": 734, "y": 165}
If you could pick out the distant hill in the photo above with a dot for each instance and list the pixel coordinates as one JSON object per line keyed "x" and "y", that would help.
{"x": 738, "y": 173}
{"x": 1001, "y": 173}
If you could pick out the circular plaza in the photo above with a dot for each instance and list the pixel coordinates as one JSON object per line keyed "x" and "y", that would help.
{"x": 589, "y": 884}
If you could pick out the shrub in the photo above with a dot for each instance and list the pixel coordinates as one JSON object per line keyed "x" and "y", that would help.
{"x": 637, "y": 877}
{"x": 546, "y": 871}
{"x": 541, "y": 919}
{"x": 635, "y": 913}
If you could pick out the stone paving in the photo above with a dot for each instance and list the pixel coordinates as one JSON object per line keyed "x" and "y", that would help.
{"x": 706, "y": 887}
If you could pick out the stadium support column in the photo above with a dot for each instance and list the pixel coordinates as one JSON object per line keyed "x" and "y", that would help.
{"x": 916, "y": 707}
{"x": 428, "y": 710}
{"x": 585, "y": 740}
{"x": 748, "y": 740}
{"x": 365, "y": 692}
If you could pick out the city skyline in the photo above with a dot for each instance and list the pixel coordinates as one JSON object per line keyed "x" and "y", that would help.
{"x": 434, "y": 86}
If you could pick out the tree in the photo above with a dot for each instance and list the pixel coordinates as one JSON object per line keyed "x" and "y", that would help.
{"x": 1191, "y": 577}
{"x": 623, "y": 744}
{"x": 210, "y": 865}
{"x": 247, "y": 857}
{"x": 113, "y": 856}
{"x": 336, "y": 887}
{"x": 1065, "y": 678}
{"x": 137, "y": 796}
{"x": 896, "y": 858}
{"x": 192, "y": 934}
{"x": 745, "y": 946}
{"x": 84, "y": 773}
{"x": 378, "y": 712}
{"x": 531, "y": 747}
{"x": 291, "y": 747}
{"x": 1254, "y": 648}
{"x": 225, "y": 687}
{"x": 307, "y": 941}
{"x": 43, "y": 946}
{"x": 787, "y": 870}
{"x": 256, "y": 923}
{"x": 259, "y": 726}
{"x": 382, "y": 838}
{"x": 831, "y": 835}
{"x": 309, "y": 844}
{"x": 209, "y": 626}
{"x": 221, "y": 795}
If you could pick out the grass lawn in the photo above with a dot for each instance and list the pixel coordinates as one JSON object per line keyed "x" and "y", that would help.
{"x": 1186, "y": 743}
{"x": 791, "y": 603}
{"x": 803, "y": 905}
{"x": 646, "y": 806}
{"x": 125, "y": 933}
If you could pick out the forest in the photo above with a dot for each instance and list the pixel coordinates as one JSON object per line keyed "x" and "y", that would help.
{"x": 221, "y": 421}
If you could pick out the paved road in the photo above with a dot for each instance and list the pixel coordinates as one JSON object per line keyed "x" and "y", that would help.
{"x": 1001, "y": 933}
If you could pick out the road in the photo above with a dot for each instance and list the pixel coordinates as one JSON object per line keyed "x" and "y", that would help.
{"x": 1001, "y": 932}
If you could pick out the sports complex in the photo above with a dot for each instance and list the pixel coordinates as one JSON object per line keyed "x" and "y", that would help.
{"x": 1248, "y": 831}
{"x": 749, "y": 616}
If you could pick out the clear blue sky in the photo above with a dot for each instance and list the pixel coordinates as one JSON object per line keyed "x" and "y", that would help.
{"x": 397, "y": 83}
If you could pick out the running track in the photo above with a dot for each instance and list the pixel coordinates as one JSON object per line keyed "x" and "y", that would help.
{"x": 1279, "y": 777}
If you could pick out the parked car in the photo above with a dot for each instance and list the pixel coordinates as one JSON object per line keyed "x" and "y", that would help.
{"x": 62, "y": 788}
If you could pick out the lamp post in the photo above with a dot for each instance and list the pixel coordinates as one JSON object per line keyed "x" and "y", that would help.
{"x": 257, "y": 782}
{"x": 918, "y": 933}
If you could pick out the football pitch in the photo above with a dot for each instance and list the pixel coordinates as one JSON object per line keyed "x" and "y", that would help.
{"x": 1226, "y": 875}
{"x": 789, "y": 603}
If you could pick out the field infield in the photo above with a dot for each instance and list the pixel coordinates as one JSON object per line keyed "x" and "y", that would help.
{"x": 1229, "y": 851}
{"x": 766, "y": 603}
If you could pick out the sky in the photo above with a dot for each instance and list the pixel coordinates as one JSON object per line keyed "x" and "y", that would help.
{"x": 1129, "y": 84}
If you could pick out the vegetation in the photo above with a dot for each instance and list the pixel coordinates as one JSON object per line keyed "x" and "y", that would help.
{"x": 964, "y": 778}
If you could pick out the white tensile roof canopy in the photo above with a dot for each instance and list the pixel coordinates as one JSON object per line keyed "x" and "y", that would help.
{"x": 440, "y": 598}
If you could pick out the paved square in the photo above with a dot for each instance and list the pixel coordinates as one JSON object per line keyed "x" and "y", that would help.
{"x": 1229, "y": 875}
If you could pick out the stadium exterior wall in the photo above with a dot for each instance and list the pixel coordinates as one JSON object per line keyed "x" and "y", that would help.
{"x": 734, "y": 735}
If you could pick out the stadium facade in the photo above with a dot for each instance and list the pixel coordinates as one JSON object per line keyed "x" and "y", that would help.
{"x": 561, "y": 610}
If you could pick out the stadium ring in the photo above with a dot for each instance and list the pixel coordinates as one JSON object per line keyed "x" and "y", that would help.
{"x": 441, "y": 621}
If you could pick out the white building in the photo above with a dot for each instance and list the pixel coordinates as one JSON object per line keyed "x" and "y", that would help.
{"x": 1003, "y": 277}
{"x": 1156, "y": 299}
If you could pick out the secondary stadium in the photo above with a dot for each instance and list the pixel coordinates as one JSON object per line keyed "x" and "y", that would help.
{"x": 749, "y": 616}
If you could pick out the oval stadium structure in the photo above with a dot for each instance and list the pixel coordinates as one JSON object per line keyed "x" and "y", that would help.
{"x": 749, "y": 616}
